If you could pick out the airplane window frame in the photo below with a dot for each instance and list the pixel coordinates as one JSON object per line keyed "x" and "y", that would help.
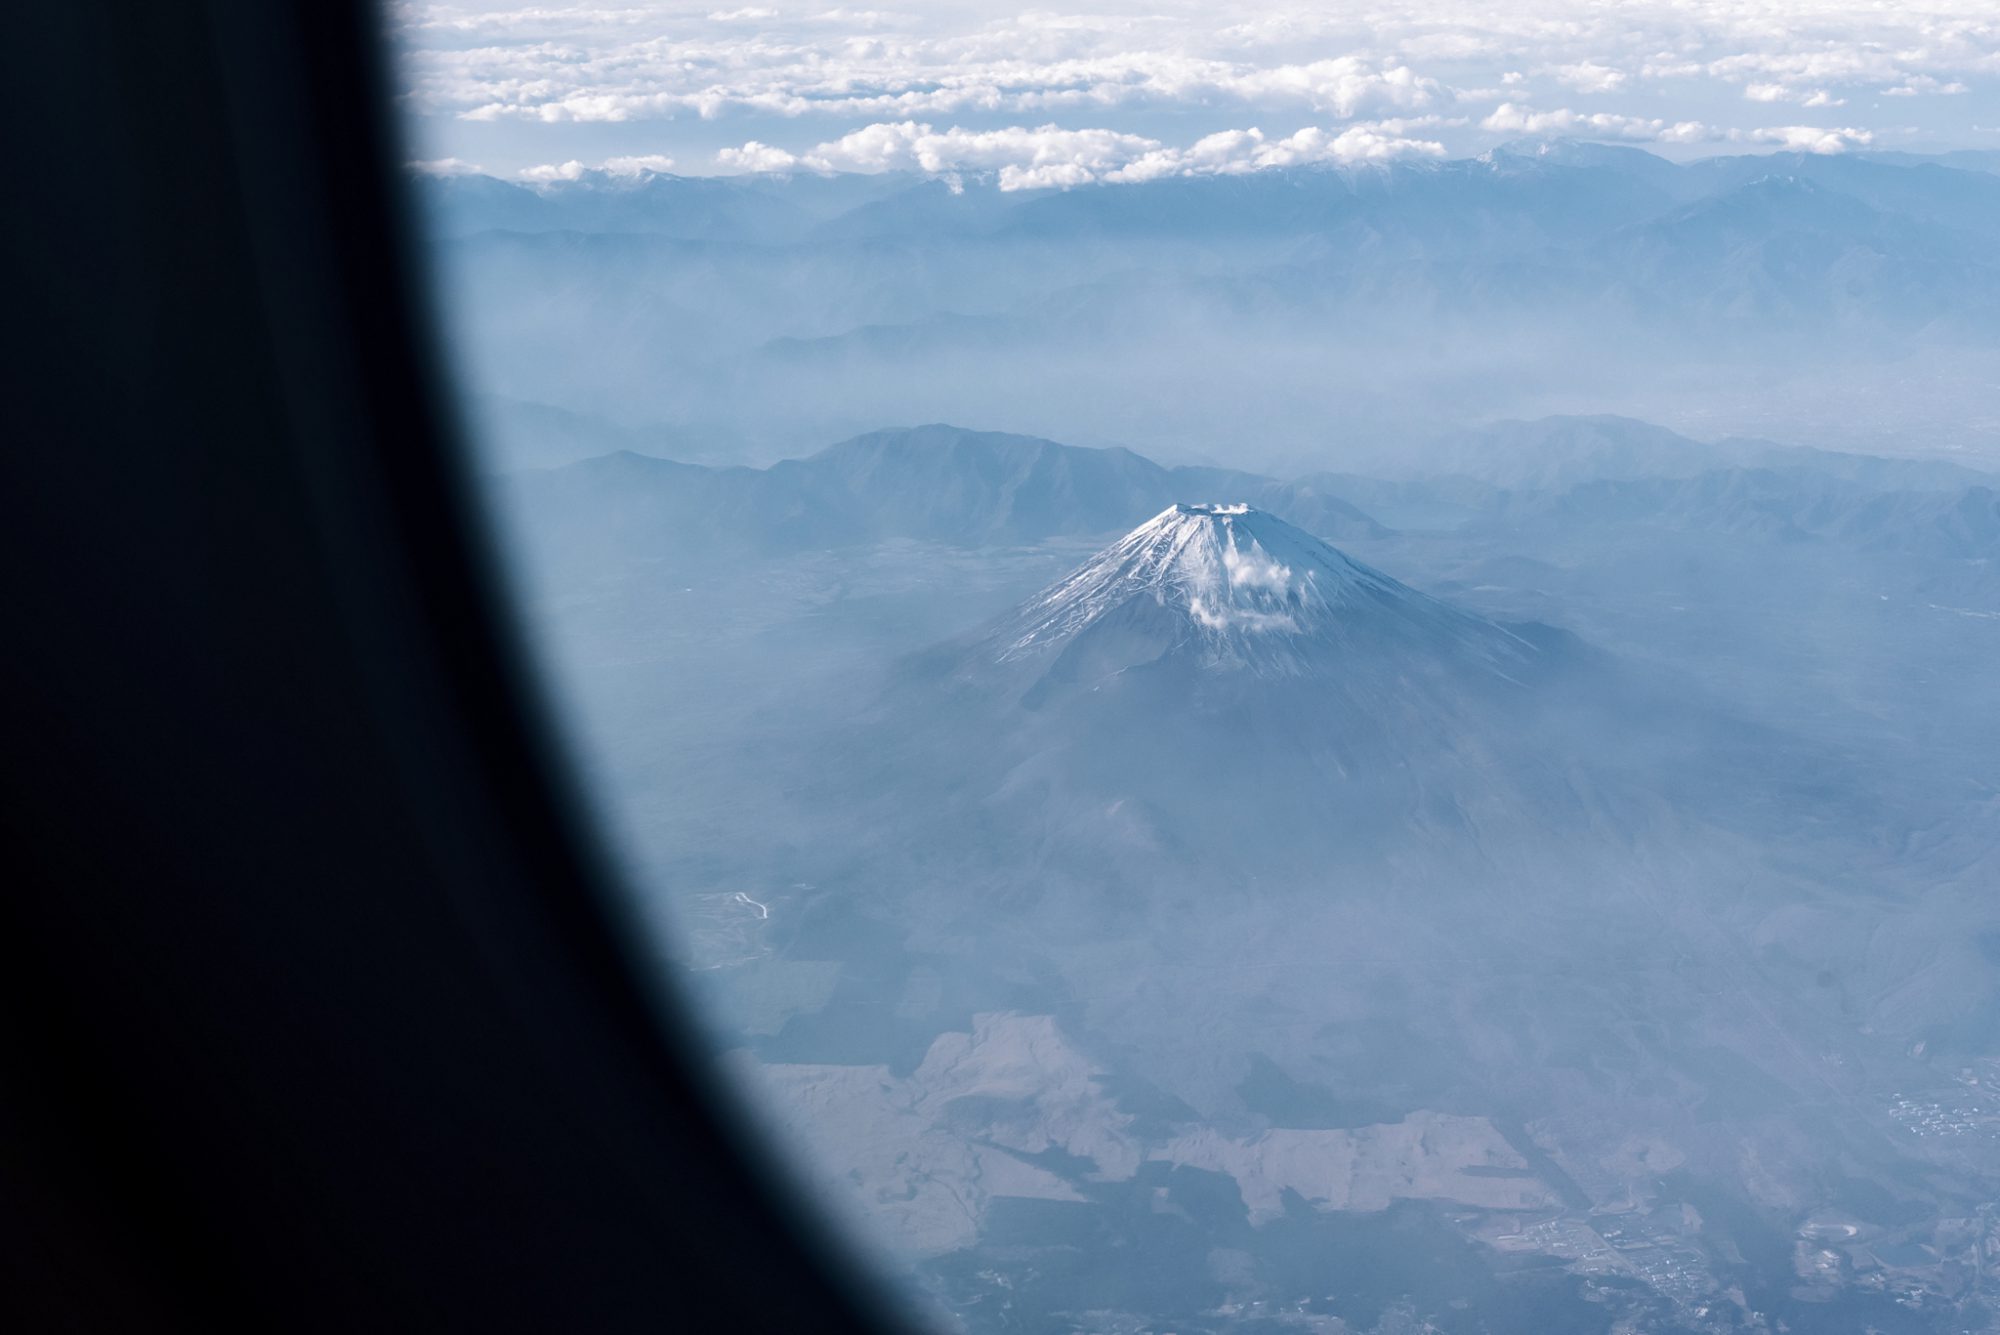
{"x": 316, "y": 1014}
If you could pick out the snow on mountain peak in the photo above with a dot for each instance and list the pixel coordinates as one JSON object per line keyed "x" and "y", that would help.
{"x": 1246, "y": 588}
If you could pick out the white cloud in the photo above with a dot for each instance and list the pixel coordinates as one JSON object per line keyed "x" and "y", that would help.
{"x": 1509, "y": 118}
{"x": 1227, "y": 61}
{"x": 1805, "y": 97}
{"x": 1233, "y": 152}
{"x": 548, "y": 172}
{"x": 1806, "y": 138}
{"x": 1044, "y": 155}
{"x": 1921, "y": 84}
{"x": 1050, "y": 157}
{"x": 756, "y": 157}
{"x": 863, "y": 78}
{"x": 642, "y": 165}
{"x": 1345, "y": 86}
{"x": 1254, "y": 568}
{"x": 1587, "y": 76}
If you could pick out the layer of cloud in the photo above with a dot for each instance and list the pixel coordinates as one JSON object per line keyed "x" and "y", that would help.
{"x": 549, "y": 173}
{"x": 1805, "y": 138}
{"x": 1049, "y": 156}
{"x": 590, "y": 63}
{"x": 639, "y": 165}
{"x": 535, "y": 84}
{"x": 1509, "y": 119}
{"x": 1805, "y": 97}
{"x": 1563, "y": 122}
{"x": 1641, "y": 71}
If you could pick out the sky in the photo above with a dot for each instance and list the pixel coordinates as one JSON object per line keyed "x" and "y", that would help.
{"x": 1126, "y": 92}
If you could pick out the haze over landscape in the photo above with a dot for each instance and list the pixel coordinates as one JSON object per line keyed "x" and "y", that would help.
{"x": 1371, "y": 739}
{"x": 1287, "y": 318}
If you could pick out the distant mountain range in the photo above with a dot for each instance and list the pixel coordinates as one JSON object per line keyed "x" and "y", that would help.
{"x": 936, "y": 483}
{"x": 1598, "y": 183}
{"x": 1221, "y": 670}
{"x": 967, "y": 488}
{"x": 1842, "y": 297}
{"x": 1791, "y": 504}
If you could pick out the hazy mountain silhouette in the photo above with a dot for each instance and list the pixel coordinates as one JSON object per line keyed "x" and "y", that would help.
{"x": 937, "y": 483}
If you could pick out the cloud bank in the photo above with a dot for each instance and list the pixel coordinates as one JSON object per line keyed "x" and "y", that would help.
{"x": 1048, "y": 156}
{"x": 805, "y": 79}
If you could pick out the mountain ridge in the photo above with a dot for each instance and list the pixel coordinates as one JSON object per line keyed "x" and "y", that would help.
{"x": 964, "y": 488}
{"x": 931, "y": 483}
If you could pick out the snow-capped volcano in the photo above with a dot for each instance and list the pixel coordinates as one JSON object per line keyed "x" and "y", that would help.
{"x": 1219, "y": 683}
{"x": 1237, "y": 588}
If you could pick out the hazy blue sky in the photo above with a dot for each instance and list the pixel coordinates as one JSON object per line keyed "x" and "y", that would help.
{"x": 1123, "y": 90}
